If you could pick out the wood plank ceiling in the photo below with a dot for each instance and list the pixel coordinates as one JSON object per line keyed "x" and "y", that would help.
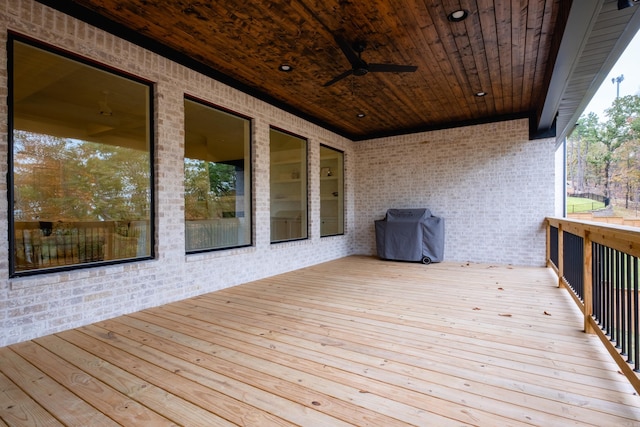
{"x": 504, "y": 48}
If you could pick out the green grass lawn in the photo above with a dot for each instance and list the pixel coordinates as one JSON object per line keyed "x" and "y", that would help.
{"x": 579, "y": 204}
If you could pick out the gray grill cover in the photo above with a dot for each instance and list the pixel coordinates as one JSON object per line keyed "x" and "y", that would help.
{"x": 410, "y": 235}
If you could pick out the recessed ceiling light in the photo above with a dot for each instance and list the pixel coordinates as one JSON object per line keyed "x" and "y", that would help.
{"x": 285, "y": 68}
{"x": 458, "y": 15}
{"x": 481, "y": 94}
{"x": 361, "y": 115}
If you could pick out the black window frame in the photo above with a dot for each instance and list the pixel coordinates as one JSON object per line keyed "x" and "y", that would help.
{"x": 342, "y": 193}
{"x": 14, "y": 37}
{"x": 250, "y": 170}
{"x": 307, "y": 187}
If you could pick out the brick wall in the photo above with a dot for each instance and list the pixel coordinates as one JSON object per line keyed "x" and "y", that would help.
{"x": 490, "y": 183}
{"x": 44, "y": 304}
{"x": 492, "y": 186}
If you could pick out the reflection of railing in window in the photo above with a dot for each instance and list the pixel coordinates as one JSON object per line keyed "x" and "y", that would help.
{"x": 212, "y": 233}
{"x": 43, "y": 244}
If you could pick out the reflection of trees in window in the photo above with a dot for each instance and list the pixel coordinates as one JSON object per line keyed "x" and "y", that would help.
{"x": 210, "y": 189}
{"x": 59, "y": 179}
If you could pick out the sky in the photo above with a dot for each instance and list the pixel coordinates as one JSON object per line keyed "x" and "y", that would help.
{"x": 629, "y": 66}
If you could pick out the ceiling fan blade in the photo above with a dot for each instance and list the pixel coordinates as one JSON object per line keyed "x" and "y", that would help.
{"x": 391, "y": 68}
{"x": 338, "y": 78}
{"x": 348, "y": 51}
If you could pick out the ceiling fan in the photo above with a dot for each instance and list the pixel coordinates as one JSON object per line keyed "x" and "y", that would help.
{"x": 359, "y": 67}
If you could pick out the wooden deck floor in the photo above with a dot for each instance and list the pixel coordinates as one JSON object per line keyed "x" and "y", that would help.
{"x": 355, "y": 341}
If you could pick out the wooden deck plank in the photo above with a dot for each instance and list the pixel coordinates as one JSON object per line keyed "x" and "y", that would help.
{"x": 405, "y": 336}
{"x": 189, "y": 382}
{"x": 178, "y": 410}
{"x": 19, "y": 409}
{"x": 289, "y": 382}
{"x": 435, "y": 312}
{"x": 408, "y": 345}
{"x": 380, "y": 318}
{"x": 372, "y": 375}
{"x": 66, "y": 407}
{"x": 121, "y": 408}
{"x": 264, "y": 345}
{"x": 423, "y": 366}
{"x": 356, "y": 341}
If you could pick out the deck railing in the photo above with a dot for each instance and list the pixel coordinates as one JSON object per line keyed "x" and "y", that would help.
{"x": 49, "y": 244}
{"x": 212, "y": 233}
{"x": 599, "y": 265}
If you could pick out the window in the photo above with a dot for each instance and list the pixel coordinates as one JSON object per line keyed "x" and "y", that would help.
{"x": 217, "y": 178}
{"x": 331, "y": 191}
{"x": 80, "y": 163}
{"x": 288, "y": 187}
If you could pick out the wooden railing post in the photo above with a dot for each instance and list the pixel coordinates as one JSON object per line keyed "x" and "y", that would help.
{"x": 588, "y": 283}
{"x": 560, "y": 256}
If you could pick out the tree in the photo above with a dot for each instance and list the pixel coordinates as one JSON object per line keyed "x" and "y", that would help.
{"x": 607, "y": 152}
{"x": 578, "y": 153}
{"x": 62, "y": 179}
{"x": 623, "y": 129}
{"x": 209, "y": 189}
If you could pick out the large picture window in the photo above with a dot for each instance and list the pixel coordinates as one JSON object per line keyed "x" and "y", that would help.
{"x": 80, "y": 163}
{"x": 217, "y": 178}
{"x": 288, "y": 187}
{"x": 331, "y": 191}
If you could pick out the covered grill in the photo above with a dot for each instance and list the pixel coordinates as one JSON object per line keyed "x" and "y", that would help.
{"x": 410, "y": 235}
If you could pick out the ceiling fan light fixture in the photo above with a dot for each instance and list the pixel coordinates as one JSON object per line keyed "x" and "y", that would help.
{"x": 623, "y": 4}
{"x": 458, "y": 15}
{"x": 360, "y": 71}
{"x": 105, "y": 109}
{"x": 285, "y": 68}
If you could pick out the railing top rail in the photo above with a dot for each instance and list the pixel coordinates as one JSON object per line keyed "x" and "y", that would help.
{"x": 623, "y": 238}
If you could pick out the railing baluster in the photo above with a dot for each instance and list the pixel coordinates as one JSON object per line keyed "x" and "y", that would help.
{"x": 573, "y": 253}
{"x": 606, "y": 292}
{"x": 614, "y": 283}
{"x": 579, "y": 245}
{"x": 597, "y": 286}
{"x": 617, "y": 328}
{"x": 628, "y": 259}
{"x": 636, "y": 330}
{"x": 587, "y": 279}
{"x": 603, "y": 287}
{"x": 612, "y": 296}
